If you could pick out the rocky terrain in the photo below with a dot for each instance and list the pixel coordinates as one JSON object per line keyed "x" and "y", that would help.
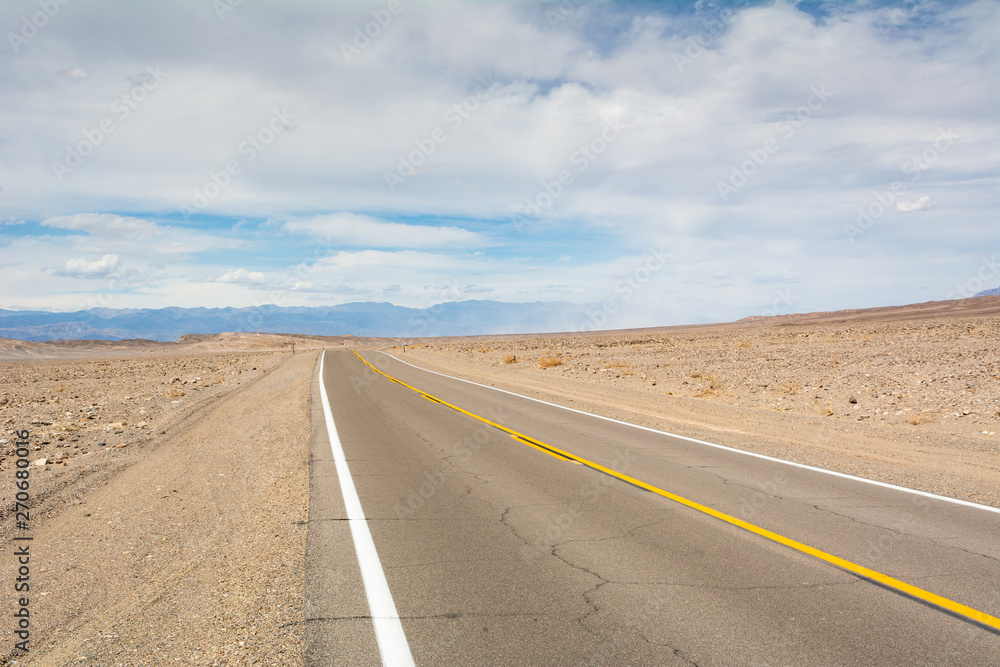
{"x": 168, "y": 509}
{"x": 90, "y": 408}
{"x": 947, "y": 373}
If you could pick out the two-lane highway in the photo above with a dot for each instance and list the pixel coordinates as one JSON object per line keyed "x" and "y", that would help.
{"x": 508, "y": 531}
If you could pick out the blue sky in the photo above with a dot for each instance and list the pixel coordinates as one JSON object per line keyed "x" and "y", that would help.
{"x": 679, "y": 161}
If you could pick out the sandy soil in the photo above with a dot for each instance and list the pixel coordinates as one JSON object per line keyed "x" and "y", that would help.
{"x": 912, "y": 402}
{"x": 181, "y": 539}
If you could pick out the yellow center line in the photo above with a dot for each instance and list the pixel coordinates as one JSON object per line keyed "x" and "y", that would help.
{"x": 542, "y": 448}
{"x": 909, "y": 589}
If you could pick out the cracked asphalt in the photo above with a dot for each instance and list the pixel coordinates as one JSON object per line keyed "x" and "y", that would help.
{"x": 497, "y": 553}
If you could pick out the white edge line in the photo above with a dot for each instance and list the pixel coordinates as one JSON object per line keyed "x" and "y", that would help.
{"x": 392, "y": 644}
{"x": 712, "y": 444}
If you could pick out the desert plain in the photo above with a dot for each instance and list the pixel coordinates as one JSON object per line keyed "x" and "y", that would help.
{"x": 170, "y": 481}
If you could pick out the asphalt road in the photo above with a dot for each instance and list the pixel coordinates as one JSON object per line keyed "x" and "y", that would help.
{"x": 497, "y": 552}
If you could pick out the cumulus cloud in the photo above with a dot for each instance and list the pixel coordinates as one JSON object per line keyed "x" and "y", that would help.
{"x": 922, "y": 204}
{"x": 89, "y": 268}
{"x": 243, "y": 277}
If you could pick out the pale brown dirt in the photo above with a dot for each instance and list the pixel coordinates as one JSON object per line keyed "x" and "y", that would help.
{"x": 915, "y": 403}
{"x": 185, "y": 546}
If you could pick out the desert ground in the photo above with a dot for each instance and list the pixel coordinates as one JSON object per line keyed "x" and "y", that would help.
{"x": 148, "y": 461}
{"x": 169, "y": 481}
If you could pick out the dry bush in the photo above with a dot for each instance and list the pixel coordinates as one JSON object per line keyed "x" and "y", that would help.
{"x": 484, "y": 349}
{"x": 549, "y": 362}
{"x": 706, "y": 392}
{"x": 828, "y": 412}
{"x": 742, "y": 343}
{"x": 695, "y": 375}
{"x": 510, "y": 359}
{"x": 916, "y": 420}
{"x": 176, "y": 392}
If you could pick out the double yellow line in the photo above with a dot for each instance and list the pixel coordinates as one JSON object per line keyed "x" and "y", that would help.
{"x": 860, "y": 570}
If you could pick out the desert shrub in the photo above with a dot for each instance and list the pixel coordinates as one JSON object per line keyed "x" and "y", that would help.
{"x": 510, "y": 359}
{"x": 549, "y": 362}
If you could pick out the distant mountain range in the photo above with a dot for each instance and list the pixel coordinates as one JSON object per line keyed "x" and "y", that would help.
{"x": 990, "y": 292}
{"x": 458, "y": 318}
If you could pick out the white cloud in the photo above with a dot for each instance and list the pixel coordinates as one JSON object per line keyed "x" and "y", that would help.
{"x": 922, "y": 204}
{"x": 359, "y": 230}
{"x": 776, "y": 278}
{"x": 135, "y": 238}
{"x": 243, "y": 277}
{"x": 105, "y": 225}
{"x": 86, "y": 268}
{"x": 74, "y": 73}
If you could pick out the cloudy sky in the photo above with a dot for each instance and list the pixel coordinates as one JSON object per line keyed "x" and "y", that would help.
{"x": 678, "y": 162}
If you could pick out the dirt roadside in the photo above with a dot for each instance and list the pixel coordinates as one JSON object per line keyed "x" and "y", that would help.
{"x": 192, "y": 552}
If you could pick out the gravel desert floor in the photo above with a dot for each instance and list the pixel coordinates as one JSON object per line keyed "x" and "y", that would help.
{"x": 168, "y": 510}
{"x": 169, "y": 483}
